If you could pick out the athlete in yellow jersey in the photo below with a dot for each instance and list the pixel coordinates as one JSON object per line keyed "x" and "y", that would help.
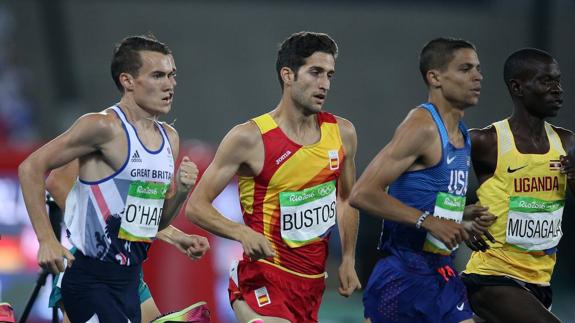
{"x": 523, "y": 174}
{"x": 296, "y": 167}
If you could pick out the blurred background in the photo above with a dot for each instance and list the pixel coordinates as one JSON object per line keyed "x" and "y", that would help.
{"x": 54, "y": 67}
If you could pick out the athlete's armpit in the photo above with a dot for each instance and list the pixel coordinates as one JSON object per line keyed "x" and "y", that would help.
{"x": 60, "y": 182}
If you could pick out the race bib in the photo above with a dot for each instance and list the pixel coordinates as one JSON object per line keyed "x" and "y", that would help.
{"x": 307, "y": 215}
{"x": 450, "y": 207}
{"x": 143, "y": 211}
{"x": 534, "y": 224}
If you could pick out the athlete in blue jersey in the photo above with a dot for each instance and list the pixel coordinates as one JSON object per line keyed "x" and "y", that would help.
{"x": 126, "y": 191}
{"x": 417, "y": 183}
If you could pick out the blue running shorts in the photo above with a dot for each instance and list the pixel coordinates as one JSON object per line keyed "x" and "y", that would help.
{"x": 395, "y": 294}
{"x": 108, "y": 292}
{"x": 56, "y": 293}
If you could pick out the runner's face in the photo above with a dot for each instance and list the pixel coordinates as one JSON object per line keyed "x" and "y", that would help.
{"x": 154, "y": 86}
{"x": 542, "y": 93}
{"x": 309, "y": 90}
{"x": 461, "y": 80}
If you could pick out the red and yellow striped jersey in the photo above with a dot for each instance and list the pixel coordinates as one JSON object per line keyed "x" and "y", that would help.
{"x": 292, "y": 200}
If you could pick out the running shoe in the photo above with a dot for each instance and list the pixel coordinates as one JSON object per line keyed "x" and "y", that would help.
{"x": 196, "y": 313}
{"x": 6, "y": 313}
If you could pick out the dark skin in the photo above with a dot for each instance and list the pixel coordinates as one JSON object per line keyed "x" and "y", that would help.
{"x": 536, "y": 96}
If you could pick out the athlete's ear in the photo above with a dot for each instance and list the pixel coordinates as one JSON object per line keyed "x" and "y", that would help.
{"x": 515, "y": 88}
{"x": 433, "y": 78}
{"x": 287, "y": 75}
{"x": 127, "y": 81}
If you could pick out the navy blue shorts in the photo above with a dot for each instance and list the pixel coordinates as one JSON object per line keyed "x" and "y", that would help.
{"x": 56, "y": 293}
{"x": 95, "y": 289}
{"x": 395, "y": 294}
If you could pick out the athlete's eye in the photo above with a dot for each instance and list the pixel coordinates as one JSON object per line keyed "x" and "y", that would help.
{"x": 552, "y": 83}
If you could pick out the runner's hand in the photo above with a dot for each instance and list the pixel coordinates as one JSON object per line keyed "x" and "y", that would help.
{"x": 477, "y": 220}
{"x": 255, "y": 245}
{"x": 51, "y": 256}
{"x": 348, "y": 280}
{"x": 187, "y": 174}
{"x": 192, "y": 245}
{"x": 449, "y": 232}
{"x": 477, "y": 243}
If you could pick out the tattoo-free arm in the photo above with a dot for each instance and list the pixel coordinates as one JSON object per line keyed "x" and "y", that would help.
{"x": 347, "y": 217}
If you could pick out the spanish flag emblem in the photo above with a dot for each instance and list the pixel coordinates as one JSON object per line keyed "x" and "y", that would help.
{"x": 262, "y": 296}
{"x": 333, "y": 159}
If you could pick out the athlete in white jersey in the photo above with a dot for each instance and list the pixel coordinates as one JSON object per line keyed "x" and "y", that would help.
{"x": 124, "y": 192}
{"x": 60, "y": 182}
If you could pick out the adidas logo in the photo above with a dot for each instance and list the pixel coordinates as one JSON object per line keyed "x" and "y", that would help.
{"x": 136, "y": 157}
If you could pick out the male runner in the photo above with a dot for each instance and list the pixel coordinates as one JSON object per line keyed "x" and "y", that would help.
{"x": 417, "y": 183}
{"x": 60, "y": 182}
{"x": 295, "y": 167}
{"x": 523, "y": 174}
{"x": 121, "y": 199}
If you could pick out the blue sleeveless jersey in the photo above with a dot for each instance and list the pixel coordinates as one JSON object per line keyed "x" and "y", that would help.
{"x": 419, "y": 190}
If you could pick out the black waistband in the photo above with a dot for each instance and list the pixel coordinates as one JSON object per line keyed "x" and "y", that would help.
{"x": 107, "y": 269}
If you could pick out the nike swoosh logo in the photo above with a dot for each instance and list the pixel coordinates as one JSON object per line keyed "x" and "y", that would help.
{"x": 509, "y": 170}
{"x": 449, "y": 160}
{"x": 460, "y": 307}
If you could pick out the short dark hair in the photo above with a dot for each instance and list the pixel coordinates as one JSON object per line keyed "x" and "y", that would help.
{"x": 437, "y": 53}
{"x": 127, "y": 58}
{"x": 517, "y": 64}
{"x": 296, "y": 48}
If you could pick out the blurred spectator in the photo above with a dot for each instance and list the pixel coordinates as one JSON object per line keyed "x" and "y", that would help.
{"x": 16, "y": 122}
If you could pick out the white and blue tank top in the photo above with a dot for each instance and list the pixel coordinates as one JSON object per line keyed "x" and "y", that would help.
{"x": 116, "y": 218}
{"x": 439, "y": 190}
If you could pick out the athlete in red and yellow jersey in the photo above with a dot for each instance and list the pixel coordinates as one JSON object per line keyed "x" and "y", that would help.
{"x": 292, "y": 201}
{"x": 523, "y": 172}
{"x": 296, "y": 169}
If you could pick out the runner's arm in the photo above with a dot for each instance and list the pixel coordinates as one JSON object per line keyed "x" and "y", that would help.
{"x": 412, "y": 141}
{"x": 235, "y": 150}
{"x": 476, "y": 218}
{"x": 568, "y": 162}
{"x": 347, "y": 217}
{"x": 483, "y": 152}
{"x": 194, "y": 246}
{"x": 408, "y": 145}
{"x": 88, "y": 134}
{"x": 184, "y": 179}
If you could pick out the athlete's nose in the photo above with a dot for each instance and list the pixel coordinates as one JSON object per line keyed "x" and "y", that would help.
{"x": 324, "y": 83}
{"x": 170, "y": 84}
{"x": 478, "y": 75}
{"x": 556, "y": 87}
